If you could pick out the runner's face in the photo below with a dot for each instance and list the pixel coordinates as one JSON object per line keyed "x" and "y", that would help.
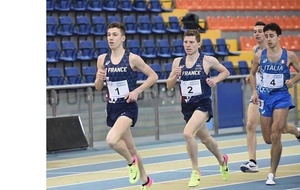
{"x": 272, "y": 38}
{"x": 258, "y": 33}
{"x": 190, "y": 44}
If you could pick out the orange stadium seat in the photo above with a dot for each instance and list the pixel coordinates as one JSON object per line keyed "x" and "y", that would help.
{"x": 246, "y": 43}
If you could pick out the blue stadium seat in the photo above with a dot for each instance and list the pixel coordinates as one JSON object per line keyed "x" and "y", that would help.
{"x": 125, "y": 5}
{"x": 53, "y": 52}
{"x": 62, "y": 5}
{"x": 134, "y": 46}
{"x": 230, "y": 67}
{"x": 72, "y": 75}
{"x": 89, "y": 74}
{"x": 173, "y": 25}
{"x": 155, "y": 6}
{"x": 98, "y": 26}
{"x": 168, "y": 69}
{"x": 101, "y": 47}
{"x": 207, "y": 47}
{"x": 55, "y": 76}
{"x": 69, "y": 51}
{"x": 95, "y": 5}
{"x": 140, "y": 5}
{"x": 243, "y": 67}
{"x": 52, "y": 26}
{"x": 144, "y": 25}
{"x": 50, "y": 5}
{"x": 158, "y": 70}
{"x": 82, "y": 26}
{"x": 213, "y": 73}
{"x": 158, "y": 25}
{"x": 177, "y": 48}
{"x": 148, "y": 49}
{"x": 163, "y": 48}
{"x": 110, "y": 5}
{"x": 130, "y": 24}
{"x": 79, "y": 5}
{"x": 65, "y": 26}
{"x": 86, "y": 51}
{"x": 114, "y": 18}
{"x": 141, "y": 75}
{"x": 222, "y": 48}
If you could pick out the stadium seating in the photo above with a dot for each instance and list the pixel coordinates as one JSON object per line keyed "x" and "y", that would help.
{"x": 144, "y": 25}
{"x": 95, "y": 5}
{"x": 79, "y": 5}
{"x": 148, "y": 49}
{"x": 125, "y": 5}
{"x": 86, "y": 51}
{"x": 158, "y": 70}
{"x": 55, "y": 76}
{"x": 113, "y": 18}
{"x": 50, "y": 5}
{"x": 168, "y": 69}
{"x": 207, "y": 47}
{"x": 53, "y": 52}
{"x": 163, "y": 48}
{"x": 65, "y": 26}
{"x": 158, "y": 25}
{"x": 173, "y": 25}
{"x": 89, "y": 74}
{"x": 82, "y": 26}
{"x": 155, "y": 6}
{"x": 62, "y": 5}
{"x": 177, "y": 48}
{"x": 230, "y": 67}
{"x": 101, "y": 47}
{"x": 130, "y": 24}
{"x": 134, "y": 46}
{"x": 243, "y": 67}
{"x": 98, "y": 26}
{"x": 110, "y": 5}
{"x": 72, "y": 75}
{"x": 52, "y": 26}
{"x": 222, "y": 48}
{"x": 139, "y": 5}
{"x": 68, "y": 51}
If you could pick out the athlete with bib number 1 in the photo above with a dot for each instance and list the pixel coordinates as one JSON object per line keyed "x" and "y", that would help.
{"x": 119, "y": 69}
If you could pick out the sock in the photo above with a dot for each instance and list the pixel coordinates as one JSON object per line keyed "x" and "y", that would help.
{"x": 131, "y": 163}
{"x": 251, "y": 160}
{"x": 146, "y": 182}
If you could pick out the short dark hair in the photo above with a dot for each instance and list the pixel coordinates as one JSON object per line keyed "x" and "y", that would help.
{"x": 273, "y": 27}
{"x": 193, "y": 32}
{"x": 118, "y": 25}
{"x": 260, "y": 23}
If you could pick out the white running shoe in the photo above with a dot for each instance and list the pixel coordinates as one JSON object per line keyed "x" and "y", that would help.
{"x": 270, "y": 180}
{"x": 249, "y": 167}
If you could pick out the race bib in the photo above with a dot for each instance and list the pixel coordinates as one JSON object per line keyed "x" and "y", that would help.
{"x": 191, "y": 88}
{"x": 117, "y": 89}
{"x": 272, "y": 80}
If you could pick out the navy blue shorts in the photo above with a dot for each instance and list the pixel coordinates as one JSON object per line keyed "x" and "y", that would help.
{"x": 204, "y": 105}
{"x": 114, "y": 111}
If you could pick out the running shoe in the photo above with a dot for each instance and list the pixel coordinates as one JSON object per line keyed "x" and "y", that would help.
{"x": 249, "y": 167}
{"x": 224, "y": 168}
{"x": 298, "y": 138}
{"x": 271, "y": 179}
{"x": 134, "y": 172}
{"x": 195, "y": 179}
{"x": 147, "y": 185}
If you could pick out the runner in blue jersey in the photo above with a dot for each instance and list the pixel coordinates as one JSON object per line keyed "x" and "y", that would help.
{"x": 272, "y": 95}
{"x": 253, "y": 114}
{"x": 118, "y": 69}
{"x": 196, "y": 106}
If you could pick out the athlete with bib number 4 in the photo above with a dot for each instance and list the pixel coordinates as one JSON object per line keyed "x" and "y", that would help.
{"x": 272, "y": 95}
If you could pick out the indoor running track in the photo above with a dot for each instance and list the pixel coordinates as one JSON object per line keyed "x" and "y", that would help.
{"x": 168, "y": 164}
